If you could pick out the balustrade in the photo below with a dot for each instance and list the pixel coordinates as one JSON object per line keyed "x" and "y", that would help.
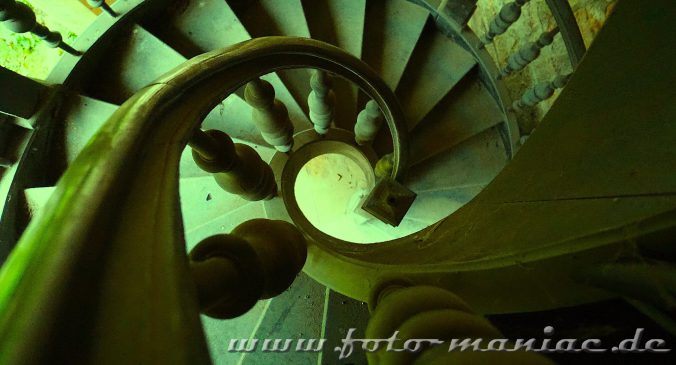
{"x": 237, "y": 167}
{"x": 368, "y": 124}
{"x": 270, "y": 115}
{"x": 528, "y": 53}
{"x": 540, "y": 92}
{"x": 507, "y": 16}
{"x": 321, "y": 101}
{"x": 259, "y": 259}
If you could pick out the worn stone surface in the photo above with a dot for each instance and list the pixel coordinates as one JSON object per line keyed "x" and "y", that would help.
{"x": 535, "y": 19}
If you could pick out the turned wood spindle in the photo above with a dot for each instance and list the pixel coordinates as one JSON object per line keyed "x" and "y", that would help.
{"x": 237, "y": 168}
{"x": 321, "y": 101}
{"x": 259, "y": 259}
{"x": 368, "y": 123}
{"x": 528, "y": 54}
{"x": 269, "y": 115}
{"x": 507, "y": 16}
{"x": 540, "y": 92}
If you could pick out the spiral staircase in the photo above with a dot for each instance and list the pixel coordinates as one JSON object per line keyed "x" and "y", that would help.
{"x": 449, "y": 130}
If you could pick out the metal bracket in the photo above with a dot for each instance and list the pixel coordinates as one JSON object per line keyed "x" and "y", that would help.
{"x": 389, "y": 201}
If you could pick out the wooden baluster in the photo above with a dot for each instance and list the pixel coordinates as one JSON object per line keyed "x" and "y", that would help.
{"x": 321, "y": 101}
{"x": 102, "y": 4}
{"x": 270, "y": 115}
{"x": 540, "y": 92}
{"x": 423, "y": 311}
{"x": 529, "y": 53}
{"x": 19, "y": 18}
{"x": 368, "y": 124}
{"x": 258, "y": 260}
{"x": 507, "y": 16}
{"x": 237, "y": 168}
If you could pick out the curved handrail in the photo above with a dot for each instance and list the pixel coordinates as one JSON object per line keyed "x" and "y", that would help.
{"x": 73, "y": 255}
{"x": 570, "y": 30}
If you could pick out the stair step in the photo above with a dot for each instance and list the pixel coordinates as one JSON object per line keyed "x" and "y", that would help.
{"x": 284, "y": 18}
{"x": 134, "y": 61}
{"x": 202, "y": 200}
{"x": 462, "y": 114}
{"x": 436, "y": 66}
{"x": 295, "y": 314}
{"x": 36, "y": 198}
{"x": 340, "y": 23}
{"x": 206, "y": 208}
{"x": 233, "y": 116}
{"x": 432, "y": 206}
{"x": 82, "y": 118}
{"x": 337, "y": 22}
{"x": 475, "y": 161}
{"x": 391, "y": 32}
{"x": 200, "y": 26}
{"x": 271, "y": 17}
{"x": 224, "y": 224}
{"x": 207, "y": 25}
{"x": 191, "y": 35}
{"x": 378, "y": 231}
{"x": 220, "y": 333}
{"x": 342, "y": 313}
